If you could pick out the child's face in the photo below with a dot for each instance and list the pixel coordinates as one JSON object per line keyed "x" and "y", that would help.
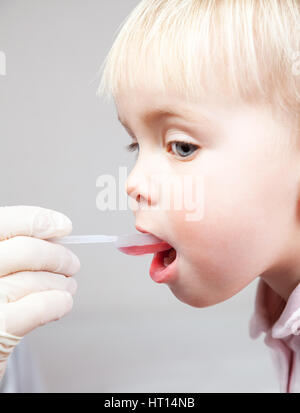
{"x": 250, "y": 190}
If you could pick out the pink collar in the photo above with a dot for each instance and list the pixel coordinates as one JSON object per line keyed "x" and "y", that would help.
{"x": 281, "y": 323}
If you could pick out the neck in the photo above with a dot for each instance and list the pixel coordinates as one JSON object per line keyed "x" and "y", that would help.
{"x": 284, "y": 277}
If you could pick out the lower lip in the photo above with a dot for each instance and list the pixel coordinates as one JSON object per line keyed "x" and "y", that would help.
{"x": 158, "y": 272}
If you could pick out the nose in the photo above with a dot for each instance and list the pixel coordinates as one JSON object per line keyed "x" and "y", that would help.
{"x": 140, "y": 186}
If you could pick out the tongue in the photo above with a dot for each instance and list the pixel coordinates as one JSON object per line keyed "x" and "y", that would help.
{"x": 139, "y": 244}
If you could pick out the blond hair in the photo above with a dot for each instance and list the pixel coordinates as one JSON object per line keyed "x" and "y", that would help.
{"x": 246, "y": 49}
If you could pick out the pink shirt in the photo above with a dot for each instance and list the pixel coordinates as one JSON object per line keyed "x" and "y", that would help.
{"x": 281, "y": 323}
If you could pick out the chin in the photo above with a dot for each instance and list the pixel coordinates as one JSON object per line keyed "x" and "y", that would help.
{"x": 192, "y": 300}
{"x": 199, "y": 300}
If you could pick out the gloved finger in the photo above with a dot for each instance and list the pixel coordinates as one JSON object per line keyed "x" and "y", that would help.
{"x": 32, "y": 221}
{"x": 34, "y": 310}
{"x": 20, "y": 284}
{"x": 33, "y": 254}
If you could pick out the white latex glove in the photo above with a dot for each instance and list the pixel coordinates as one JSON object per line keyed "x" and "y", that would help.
{"x": 35, "y": 282}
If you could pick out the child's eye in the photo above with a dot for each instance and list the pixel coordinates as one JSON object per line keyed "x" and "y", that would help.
{"x": 184, "y": 149}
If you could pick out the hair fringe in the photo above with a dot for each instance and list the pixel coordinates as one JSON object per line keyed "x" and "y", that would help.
{"x": 246, "y": 49}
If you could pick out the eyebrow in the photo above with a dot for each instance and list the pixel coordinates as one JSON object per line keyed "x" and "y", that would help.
{"x": 157, "y": 114}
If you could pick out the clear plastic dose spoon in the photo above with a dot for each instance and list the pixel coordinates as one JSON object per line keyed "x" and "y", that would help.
{"x": 131, "y": 244}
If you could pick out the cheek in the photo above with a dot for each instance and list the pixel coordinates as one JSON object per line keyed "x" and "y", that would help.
{"x": 245, "y": 224}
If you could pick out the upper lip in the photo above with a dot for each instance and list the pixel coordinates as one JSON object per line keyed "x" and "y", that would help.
{"x": 140, "y": 229}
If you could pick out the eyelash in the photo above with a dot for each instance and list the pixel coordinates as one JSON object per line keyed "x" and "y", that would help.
{"x": 134, "y": 145}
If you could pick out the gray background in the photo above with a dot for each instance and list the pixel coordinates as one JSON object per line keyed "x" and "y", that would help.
{"x": 125, "y": 333}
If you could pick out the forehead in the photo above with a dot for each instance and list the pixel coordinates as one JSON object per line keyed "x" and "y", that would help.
{"x": 149, "y": 106}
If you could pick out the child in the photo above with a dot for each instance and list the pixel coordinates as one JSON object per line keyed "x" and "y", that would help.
{"x": 212, "y": 88}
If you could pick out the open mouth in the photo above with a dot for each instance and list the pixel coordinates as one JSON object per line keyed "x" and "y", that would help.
{"x": 164, "y": 262}
{"x": 168, "y": 256}
{"x": 163, "y": 265}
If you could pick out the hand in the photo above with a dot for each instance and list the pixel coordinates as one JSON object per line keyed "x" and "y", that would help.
{"x": 35, "y": 282}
